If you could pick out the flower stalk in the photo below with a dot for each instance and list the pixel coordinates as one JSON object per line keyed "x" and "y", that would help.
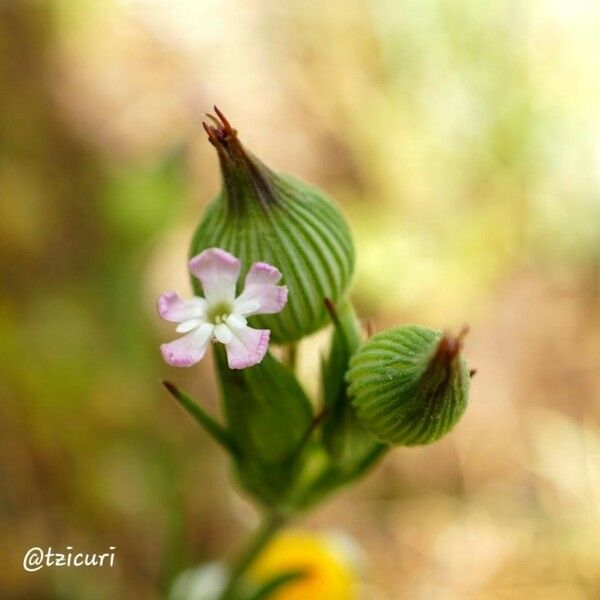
{"x": 404, "y": 386}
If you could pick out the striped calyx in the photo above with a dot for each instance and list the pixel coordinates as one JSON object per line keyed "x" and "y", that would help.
{"x": 263, "y": 216}
{"x": 409, "y": 385}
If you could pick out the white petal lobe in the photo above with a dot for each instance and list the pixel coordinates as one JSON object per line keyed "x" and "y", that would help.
{"x": 188, "y": 325}
{"x": 223, "y": 333}
{"x": 236, "y": 321}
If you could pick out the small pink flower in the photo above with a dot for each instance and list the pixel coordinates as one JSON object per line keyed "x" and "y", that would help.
{"x": 220, "y": 316}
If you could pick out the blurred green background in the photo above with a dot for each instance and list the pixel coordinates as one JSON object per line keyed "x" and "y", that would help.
{"x": 462, "y": 139}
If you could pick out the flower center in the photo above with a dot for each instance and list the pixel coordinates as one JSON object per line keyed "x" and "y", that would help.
{"x": 219, "y": 312}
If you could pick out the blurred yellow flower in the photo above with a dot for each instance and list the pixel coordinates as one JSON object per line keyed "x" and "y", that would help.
{"x": 330, "y": 572}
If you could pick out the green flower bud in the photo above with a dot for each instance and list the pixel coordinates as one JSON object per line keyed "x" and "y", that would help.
{"x": 263, "y": 216}
{"x": 409, "y": 385}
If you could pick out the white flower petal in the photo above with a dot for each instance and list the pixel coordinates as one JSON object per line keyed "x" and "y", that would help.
{"x": 173, "y": 308}
{"x": 262, "y": 273}
{"x": 247, "y": 347}
{"x": 189, "y": 349}
{"x": 188, "y": 325}
{"x": 218, "y": 271}
{"x": 260, "y": 289}
{"x": 236, "y": 321}
{"x": 222, "y": 333}
{"x": 245, "y": 307}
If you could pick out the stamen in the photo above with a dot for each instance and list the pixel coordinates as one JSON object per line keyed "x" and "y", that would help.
{"x": 219, "y": 312}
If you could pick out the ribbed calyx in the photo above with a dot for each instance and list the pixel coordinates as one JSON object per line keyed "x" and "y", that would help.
{"x": 409, "y": 385}
{"x": 267, "y": 415}
{"x": 263, "y": 216}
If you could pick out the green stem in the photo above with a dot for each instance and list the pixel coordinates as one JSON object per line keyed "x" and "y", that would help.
{"x": 270, "y": 526}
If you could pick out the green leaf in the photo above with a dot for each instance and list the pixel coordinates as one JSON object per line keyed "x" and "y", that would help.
{"x": 345, "y": 341}
{"x": 216, "y": 431}
{"x": 347, "y": 440}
